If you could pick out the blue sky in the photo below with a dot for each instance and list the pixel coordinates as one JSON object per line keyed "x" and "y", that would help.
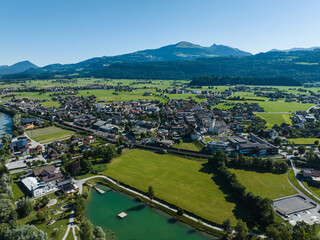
{"x": 67, "y": 31}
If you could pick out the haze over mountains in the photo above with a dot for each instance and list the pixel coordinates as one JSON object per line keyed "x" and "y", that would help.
{"x": 174, "y": 52}
{"x": 183, "y": 60}
{"x": 295, "y": 49}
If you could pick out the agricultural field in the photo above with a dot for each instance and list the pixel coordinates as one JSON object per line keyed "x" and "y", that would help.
{"x": 184, "y": 182}
{"x": 303, "y": 140}
{"x": 275, "y": 118}
{"x": 49, "y": 134}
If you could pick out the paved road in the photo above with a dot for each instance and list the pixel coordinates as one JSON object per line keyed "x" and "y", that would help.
{"x": 22, "y": 161}
{"x": 296, "y": 171}
{"x": 71, "y": 225}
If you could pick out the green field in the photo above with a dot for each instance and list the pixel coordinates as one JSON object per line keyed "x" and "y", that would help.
{"x": 275, "y": 118}
{"x": 192, "y": 146}
{"x": 265, "y": 184}
{"x": 303, "y": 140}
{"x": 180, "y": 181}
{"x": 51, "y": 104}
{"x": 314, "y": 190}
{"x": 45, "y": 135}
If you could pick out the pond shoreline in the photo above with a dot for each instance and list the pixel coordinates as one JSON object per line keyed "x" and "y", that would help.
{"x": 186, "y": 220}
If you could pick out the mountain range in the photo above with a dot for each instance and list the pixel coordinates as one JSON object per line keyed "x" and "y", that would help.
{"x": 174, "y": 52}
{"x": 295, "y": 49}
{"x": 184, "y": 61}
{"x": 17, "y": 68}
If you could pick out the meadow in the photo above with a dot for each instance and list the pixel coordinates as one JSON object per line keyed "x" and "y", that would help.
{"x": 185, "y": 183}
{"x": 265, "y": 184}
{"x": 303, "y": 140}
{"x": 48, "y": 134}
{"x": 187, "y": 145}
{"x": 275, "y": 118}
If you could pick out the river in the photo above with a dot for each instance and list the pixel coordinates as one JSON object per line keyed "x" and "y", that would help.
{"x": 142, "y": 221}
{"x": 5, "y": 124}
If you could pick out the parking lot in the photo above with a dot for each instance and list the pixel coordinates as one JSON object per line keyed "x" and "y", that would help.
{"x": 297, "y": 208}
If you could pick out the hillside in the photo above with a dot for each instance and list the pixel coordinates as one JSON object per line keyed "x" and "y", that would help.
{"x": 302, "y": 66}
{"x": 16, "y": 68}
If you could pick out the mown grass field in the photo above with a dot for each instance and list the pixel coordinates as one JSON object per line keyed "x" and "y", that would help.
{"x": 49, "y": 133}
{"x": 303, "y": 140}
{"x": 265, "y": 184}
{"x": 192, "y": 146}
{"x": 54, "y": 104}
{"x": 182, "y": 182}
{"x": 275, "y": 118}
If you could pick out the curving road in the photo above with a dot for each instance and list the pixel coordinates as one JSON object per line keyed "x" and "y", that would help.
{"x": 296, "y": 171}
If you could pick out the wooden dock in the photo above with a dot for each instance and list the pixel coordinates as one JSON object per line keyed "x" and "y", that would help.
{"x": 99, "y": 190}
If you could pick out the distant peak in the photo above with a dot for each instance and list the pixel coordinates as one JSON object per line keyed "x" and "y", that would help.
{"x": 185, "y": 44}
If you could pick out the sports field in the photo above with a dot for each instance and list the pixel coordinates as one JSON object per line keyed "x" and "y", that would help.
{"x": 275, "y": 118}
{"x": 48, "y": 134}
{"x": 180, "y": 181}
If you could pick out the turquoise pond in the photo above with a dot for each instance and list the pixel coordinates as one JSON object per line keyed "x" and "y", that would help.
{"x": 142, "y": 222}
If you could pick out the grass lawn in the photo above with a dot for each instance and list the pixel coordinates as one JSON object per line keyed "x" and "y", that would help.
{"x": 174, "y": 179}
{"x": 17, "y": 191}
{"x": 192, "y": 146}
{"x": 303, "y": 140}
{"x": 265, "y": 184}
{"x": 294, "y": 181}
{"x": 54, "y": 104}
{"x": 275, "y": 118}
{"x": 60, "y": 224}
{"x": 49, "y": 133}
{"x": 314, "y": 190}
{"x": 180, "y": 181}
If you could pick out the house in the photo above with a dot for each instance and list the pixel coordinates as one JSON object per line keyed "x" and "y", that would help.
{"x": 67, "y": 186}
{"x": 217, "y": 145}
{"x": 109, "y": 128}
{"x": 89, "y": 139}
{"x": 30, "y": 123}
{"x": 311, "y": 175}
{"x": 42, "y": 181}
{"x": 20, "y": 146}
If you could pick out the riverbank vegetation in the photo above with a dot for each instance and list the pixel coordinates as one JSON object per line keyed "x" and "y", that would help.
{"x": 17, "y": 128}
{"x": 11, "y": 229}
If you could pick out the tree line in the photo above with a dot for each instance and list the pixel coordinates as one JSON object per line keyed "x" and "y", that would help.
{"x": 9, "y": 227}
{"x": 211, "y": 80}
{"x": 17, "y": 127}
{"x": 257, "y": 164}
{"x": 259, "y": 209}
